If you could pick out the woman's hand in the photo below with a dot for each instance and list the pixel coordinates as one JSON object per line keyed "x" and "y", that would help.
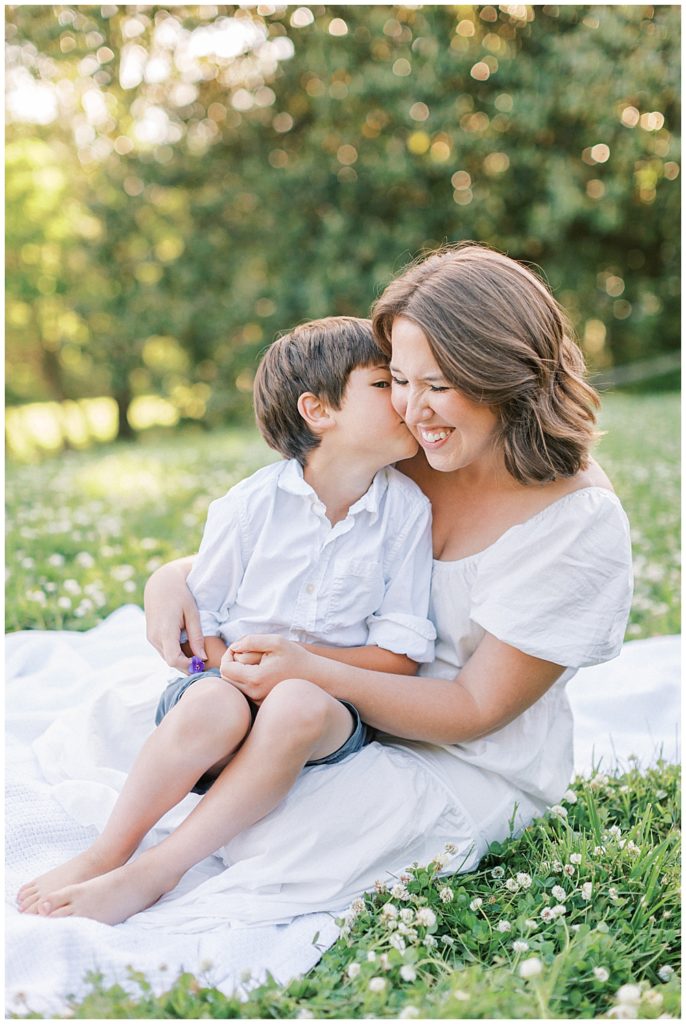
{"x": 169, "y": 608}
{"x": 255, "y": 664}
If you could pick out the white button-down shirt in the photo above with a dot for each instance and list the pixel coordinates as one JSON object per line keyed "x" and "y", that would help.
{"x": 271, "y": 562}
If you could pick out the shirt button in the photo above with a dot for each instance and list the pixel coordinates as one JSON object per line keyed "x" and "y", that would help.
{"x": 310, "y": 588}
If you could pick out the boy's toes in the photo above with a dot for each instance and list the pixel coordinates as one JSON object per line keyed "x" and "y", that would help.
{"x": 57, "y": 905}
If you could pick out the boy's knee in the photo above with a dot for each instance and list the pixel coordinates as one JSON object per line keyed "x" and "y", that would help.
{"x": 212, "y": 707}
{"x": 298, "y": 704}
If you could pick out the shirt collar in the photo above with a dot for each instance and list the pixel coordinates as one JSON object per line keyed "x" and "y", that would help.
{"x": 291, "y": 479}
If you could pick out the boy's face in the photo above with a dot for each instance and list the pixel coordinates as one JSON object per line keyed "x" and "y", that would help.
{"x": 367, "y": 424}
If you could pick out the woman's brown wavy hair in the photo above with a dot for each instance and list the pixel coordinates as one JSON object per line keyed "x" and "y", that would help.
{"x": 501, "y": 339}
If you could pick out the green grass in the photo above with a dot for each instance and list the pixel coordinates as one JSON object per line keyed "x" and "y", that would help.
{"x": 84, "y": 532}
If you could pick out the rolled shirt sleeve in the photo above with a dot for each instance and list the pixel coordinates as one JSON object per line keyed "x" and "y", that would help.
{"x": 401, "y": 622}
{"x": 219, "y": 565}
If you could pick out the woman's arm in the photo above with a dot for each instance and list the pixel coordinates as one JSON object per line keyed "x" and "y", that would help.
{"x": 169, "y": 608}
{"x": 496, "y": 685}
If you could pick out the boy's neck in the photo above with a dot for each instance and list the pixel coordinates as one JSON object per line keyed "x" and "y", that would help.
{"x": 337, "y": 482}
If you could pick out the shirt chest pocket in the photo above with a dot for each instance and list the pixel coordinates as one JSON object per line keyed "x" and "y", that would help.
{"x": 357, "y": 590}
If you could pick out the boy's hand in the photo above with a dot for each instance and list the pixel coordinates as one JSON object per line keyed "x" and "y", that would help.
{"x": 279, "y": 659}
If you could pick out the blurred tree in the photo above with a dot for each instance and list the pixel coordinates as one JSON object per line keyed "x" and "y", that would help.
{"x": 185, "y": 182}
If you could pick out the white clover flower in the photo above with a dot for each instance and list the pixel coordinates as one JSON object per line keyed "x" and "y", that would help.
{"x": 601, "y": 973}
{"x": 400, "y": 892}
{"x": 559, "y": 810}
{"x": 547, "y": 914}
{"x": 612, "y": 893}
{"x": 628, "y": 994}
{"x": 305, "y": 1014}
{"x": 411, "y": 934}
{"x": 357, "y": 905}
{"x": 623, "y": 1011}
{"x": 575, "y": 858}
{"x": 389, "y": 910}
{"x": 660, "y": 794}
{"x": 654, "y": 998}
{"x": 64, "y": 602}
{"x": 512, "y": 885}
{"x": 559, "y": 910}
{"x": 598, "y": 851}
{"x": 615, "y": 830}
{"x": 665, "y": 972}
{"x": 56, "y": 560}
{"x": 384, "y": 962}
{"x": 504, "y": 926}
{"x": 426, "y": 917}
{"x": 27, "y": 563}
{"x": 476, "y": 903}
{"x": 568, "y": 870}
{"x": 407, "y": 915}
{"x": 397, "y": 941}
{"x": 429, "y": 941}
{"x": 450, "y": 848}
{"x": 408, "y": 973}
{"x": 558, "y": 892}
{"x": 531, "y": 968}
{"x": 371, "y": 956}
{"x": 575, "y": 927}
{"x": 520, "y": 946}
{"x": 353, "y": 970}
{"x": 379, "y": 885}
{"x": 557, "y": 865}
{"x": 498, "y": 872}
{"x": 405, "y": 877}
{"x": 377, "y": 984}
{"x": 569, "y": 796}
{"x": 446, "y": 894}
{"x": 524, "y": 880}
{"x": 408, "y": 1013}
{"x": 461, "y": 995}
{"x": 603, "y": 927}
{"x": 632, "y": 848}
{"x": 448, "y": 940}
{"x": 530, "y": 923}
{"x": 71, "y": 586}
{"x": 587, "y": 891}
{"x": 442, "y": 859}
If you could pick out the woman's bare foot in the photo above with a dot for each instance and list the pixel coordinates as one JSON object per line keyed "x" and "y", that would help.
{"x": 113, "y": 897}
{"x": 81, "y": 868}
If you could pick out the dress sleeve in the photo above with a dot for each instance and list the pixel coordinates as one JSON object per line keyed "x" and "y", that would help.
{"x": 401, "y": 622}
{"x": 219, "y": 565}
{"x": 559, "y": 586}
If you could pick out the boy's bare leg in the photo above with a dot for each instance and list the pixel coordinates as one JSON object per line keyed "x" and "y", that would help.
{"x": 297, "y": 722}
{"x": 199, "y": 734}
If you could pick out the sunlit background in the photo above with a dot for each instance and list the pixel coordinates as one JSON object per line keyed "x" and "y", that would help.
{"x": 183, "y": 183}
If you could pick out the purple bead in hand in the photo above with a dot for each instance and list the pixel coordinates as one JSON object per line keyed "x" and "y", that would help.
{"x": 197, "y": 665}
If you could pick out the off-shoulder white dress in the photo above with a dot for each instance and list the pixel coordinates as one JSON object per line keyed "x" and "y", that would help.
{"x": 558, "y": 587}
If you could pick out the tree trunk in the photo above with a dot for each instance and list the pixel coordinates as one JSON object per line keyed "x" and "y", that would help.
{"x": 125, "y": 431}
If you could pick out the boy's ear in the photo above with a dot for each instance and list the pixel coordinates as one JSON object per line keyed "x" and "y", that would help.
{"x": 315, "y": 412}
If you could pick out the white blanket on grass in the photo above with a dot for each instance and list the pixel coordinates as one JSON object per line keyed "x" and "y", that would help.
{"x": 60, "y": 769}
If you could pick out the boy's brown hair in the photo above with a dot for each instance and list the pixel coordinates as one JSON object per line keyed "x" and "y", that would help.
{"x": 318, "y": 356}
{"x": 501, "y": 339}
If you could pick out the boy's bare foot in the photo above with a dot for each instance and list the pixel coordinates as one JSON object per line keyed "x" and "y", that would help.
{"x": 84, "y": 866}
{"x": 110, "y": 898}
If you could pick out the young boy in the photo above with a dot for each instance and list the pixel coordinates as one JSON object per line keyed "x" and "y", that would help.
{"x": 331, "y": 548}
{"x": 324, "y": 548}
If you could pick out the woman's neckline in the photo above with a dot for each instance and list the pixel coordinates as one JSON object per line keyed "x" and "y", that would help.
{"x": 525, "y": 522}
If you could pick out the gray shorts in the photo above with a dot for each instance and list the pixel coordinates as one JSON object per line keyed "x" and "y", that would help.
{"x": 361, "y": 735}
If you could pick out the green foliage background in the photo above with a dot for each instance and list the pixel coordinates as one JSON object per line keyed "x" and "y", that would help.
{"x": 191, "y": 180}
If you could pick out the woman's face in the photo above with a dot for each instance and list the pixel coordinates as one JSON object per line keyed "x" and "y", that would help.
{"x": 453, "y": 430}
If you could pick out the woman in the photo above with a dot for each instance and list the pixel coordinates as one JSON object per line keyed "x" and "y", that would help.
{"x": 532, "y": 580}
